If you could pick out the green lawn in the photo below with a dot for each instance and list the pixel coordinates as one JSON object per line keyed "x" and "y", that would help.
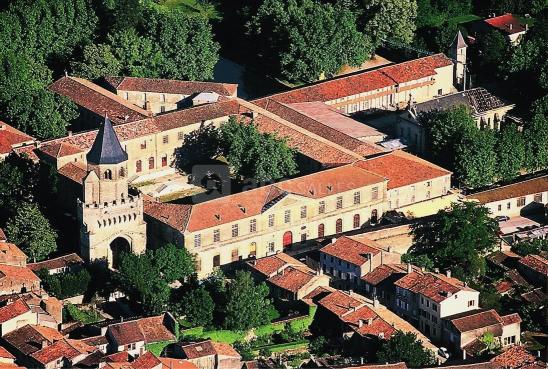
{"x": 464, "y": 18}
{"x": 84, "y": 316}
{"x": 286, "y": 346}
{"x": 157, "y": 347}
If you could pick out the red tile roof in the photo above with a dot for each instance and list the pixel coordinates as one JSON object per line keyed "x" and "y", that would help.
{"x": 514, "y": 357}
{"x": 436, "y": 287}
{"x": 146, "y": 329}
{"x": 270, "y": 265}
{"x": 68, "y": 349}
{"x": 507, "y": 23}
{"x": 170, "y": 363}
{"x": 76, "y": 172}
{"x": 354, "y": 251}
{"x": 536, "y": 296}
{"x": 511, "y": 319}
{"x": 2, "y": 235}
{"x": 473, "y": 320}
{"x": 523, "y": 188}
{"x": 536, "y": 262}
{"x": 14, "y": 275}
{"x": 170, "y": 86}
{"x": 13, "y": 310}
{"x": 9, "y": 250}
{"x": 5, "y": 354}
{"x": 208, "y": 348}
{"x": 174, "y": 215}
{"x": 56, "y": 263}
{"x": 357, "y": 83}
{"x": 382, "y": 272}
{"x": 401, "y": 365}
{"x": 402, "y": 169}
{"x": 117, "y": 357}
{"x": 291, "y": 279}
{"x": 98, "y": 100}
{"x": 146, "y": 361}
{"x": 29, "y": 338}
{"x": 11, "y": 137}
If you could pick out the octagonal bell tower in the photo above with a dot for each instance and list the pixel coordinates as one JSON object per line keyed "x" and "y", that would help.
{"x": 111, "y": 220}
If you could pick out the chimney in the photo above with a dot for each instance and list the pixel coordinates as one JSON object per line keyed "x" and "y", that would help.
{"x": 369, "y": 321}
{"x": 448, "y": 273}
{"x": 376, "y": 302}
{"x": 360, "y": 323}
{"x": 45, "y": 343}
{"x": 69, "y": 133}
{"x": 334, "y": 239}
{"x": 510, "y": 26}
{"x": 436, "y": 270}
{"x": 148, "y": 106}
{"x": 526, "y": 27}
{"x": 409, "y": 268}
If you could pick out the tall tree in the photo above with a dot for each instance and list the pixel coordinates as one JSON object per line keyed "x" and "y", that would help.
{"x": 404, "y": 346}
{"x": 198, "y": 307}
{"x": 173, "y": 263}
{"x": 247, "y": 303}
{"x": 390, "y": 19}
{"x": 476, "y": 159}
{"x": 97, "y": 61}
{"x": 493, "y": 48}
{"x": 18, "y": 184}
{"x": 31, "y": 231}
{"x": 536, "y": 142}
{"x": 457, "y": 239}
{"x": 510, "y": 151}
{"x": 306, "y": 39}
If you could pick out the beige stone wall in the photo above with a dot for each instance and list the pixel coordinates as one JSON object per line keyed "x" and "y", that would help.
{"x": 511, "y": 207}
{"x": 156, "y": 100}
{"x": 511, "y": 330}
{"x": 19, "y": 321}
{"x": 320, "y": 280}
{"x": 417, "y": 192}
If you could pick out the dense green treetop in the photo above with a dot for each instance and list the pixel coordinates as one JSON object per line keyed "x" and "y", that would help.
{"x": 198, "y": 306}
{"x": 404, "y": 346}
{"x": 390, "y": 19}
{"x": 510, "y": 151}
{"x": 475, "y": 158}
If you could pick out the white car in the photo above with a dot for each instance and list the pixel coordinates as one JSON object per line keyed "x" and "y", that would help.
{"x": 443, "y": 352}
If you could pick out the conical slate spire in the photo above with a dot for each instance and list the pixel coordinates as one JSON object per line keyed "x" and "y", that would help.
{"x": 459, "y": 42}
{"x": 106, "y": 148}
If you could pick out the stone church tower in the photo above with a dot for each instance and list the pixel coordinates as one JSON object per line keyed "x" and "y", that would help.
{"x": 111, "y": 220}
{"x": 457, "y": 52}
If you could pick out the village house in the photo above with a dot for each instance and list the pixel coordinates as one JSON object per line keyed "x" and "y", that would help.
{"x": 6, "y": 357}
{"x": 132, "y": 336}
{"x": 14, "y": 315}
{"x": 287, "y": 277}
{"x": 16, "y": 279}
{"x": 145, "y": 361}
{"x": 462, "y": 333}
{"x": 60, "y": 354}
{"x": 509, "y": 25}
{"x": 63, "y": 264}
{"x": 535, "y": 269}
{"x": 425, "y": 298}
{"x": 11, "y": 138}
{"x": 10, "y": 254}
{"x": 348, "y": 258}
{"x": 99, "y": 342}
{"x": 29, "y": 339}
{"x": 487, "y": 110}
{"x": 517, "y": 357}
{"x": 47, "y": 309}
{"x": 209, "y": 355}
{"x": 523, "y": 197}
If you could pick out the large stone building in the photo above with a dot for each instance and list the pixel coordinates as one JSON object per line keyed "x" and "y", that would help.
{"x": 111, "y": 220}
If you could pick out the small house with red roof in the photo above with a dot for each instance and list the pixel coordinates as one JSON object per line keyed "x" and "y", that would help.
{"x": 287, "y": 277}
{"x": 17, "y": 279}
{"x": 535, "y": 269}
{"x": 209, "y": 355}
{"x": 509, "y": 25}
{"x": 10, "y": 254}
{"x": 348, "y": 258}
{"x": 15, "y": 314}
{"x": 11, "y": 138}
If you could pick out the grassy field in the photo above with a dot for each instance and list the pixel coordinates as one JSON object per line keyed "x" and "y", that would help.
{"x": 286, "y": 346}
{"x": 84, "y": 316}
{"x": 193, "y": 7}
{"x": 157, "y": 347}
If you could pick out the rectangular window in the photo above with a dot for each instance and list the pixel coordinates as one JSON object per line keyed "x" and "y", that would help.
{"x": 440, "y": 91}
{"x": 434, "y": 307}
{"x": 197, "y": 240}
{"x": 271, "y": 247}
{"x": 216, "y": 261}
{"x": 271, "y": 220}
{"x": 234, "y": 230}
{"x": 303, "y": 212}
{"x": 253, "y": 225}
{"x": 508, "y": 206}
{"x": 181, "y": 136}
{"x": 216, "y": 235}
{"x": 357, "y": 198}
{"x": 162, "y": 109}
{"x": 234, "y": 255}
{"x": 126, "y": 95}
{"x": 287, "y": 216}
{"x": 499, "y": 207}
{"x": 198, "y": 265}
{"x": 143, "y": 145}
{"x": 339, "y": 202}
{"x": 521, "y": 201}
{"x": 428, "y": 184}
{"x": 321, "y": 207}
{"x": 165, "y": 139}
{"x": 164, "y": 161}
{"x": 471, "y": 303}
{"x": 138, "y": 166}
{"x": 538, "y": 197}
{"x": 163, "y": 98}
{"x": 303, "y": 238}
{"x": 427, "y": 194}
{"x": 374, "y": 193}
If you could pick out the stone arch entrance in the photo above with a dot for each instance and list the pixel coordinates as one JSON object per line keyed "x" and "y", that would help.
{"x": 118, "y": 246}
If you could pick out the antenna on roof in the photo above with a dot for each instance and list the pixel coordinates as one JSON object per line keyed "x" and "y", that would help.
{"x": 66, "y": 73}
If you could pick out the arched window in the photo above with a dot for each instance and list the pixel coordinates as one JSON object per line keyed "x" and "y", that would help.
{"x": 122, "y": 172}
{"x": 321, "y": 230}
{"x": 108, "y": 174}
{"x": 151, "y": 163}
{"x": 287, "y": 239}
{"x": 338, "y": 226}
{"x": 138, "y": 166}
{"x": 374, "y": 216}
{"x": 357, "y": 221}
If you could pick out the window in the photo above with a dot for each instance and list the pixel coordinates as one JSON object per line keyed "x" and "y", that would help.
{"x": 126, "y": 95}
{"x": 165, "y": 139}
{"x": 499, "y": 207}
{"x": 357, "y": 198}
{"x": 271, "y": 220}
{"x": 143, "y": 145}
{"x": 151, "y": 163}
{"x": 538, "y": 197}
{"x": 216, "y": 261}
{"x": 356, "y": 222}
{"x": 321, "y": 230}
{"x": 471, "y": 303}
{"x": 303, "y": 238}
{"x": 271, "y": 247}
{"x": 440, "y": 91}
{"x": 287, "y": 216}
{"x": 108, "y": 174}
{"x": 198, "y": 265}
{"x": 339, "y": 202}
{"x": 216, "y": 235}
{"x": 321, "y": 207}
{"x": 338, "y": 226}
{"x": 434, "y": 307}
{"x": 252, "y": 249}
{"x": 234, "y": 230}
{"x": 197, "y": 240}
{"x": 253, "y": 225}
{"x": 234, "y": 256}
{"x": 163, "y": 97}
{"x": 374, "y": 193}
{"x": 164, "y": 161}
{"x": 413, "y": 198}
{"x": 521, "y": 201}
{"x": 181, "y": 136}
{"x": 429, "y": 184}
{"x": 122, "y": 172}
{"x": 427, "y": 194}
{"x": 138, "y": 166}
{"x": 303, "y": 212}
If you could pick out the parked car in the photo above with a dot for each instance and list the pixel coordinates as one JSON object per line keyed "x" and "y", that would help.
{"x": 502, "y": 218}
{"x": 443, "y": 353}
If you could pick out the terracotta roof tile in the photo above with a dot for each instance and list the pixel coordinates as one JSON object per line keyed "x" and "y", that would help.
{"x": 511, "y": 319}
{"x": 29, "y": 338}
{"x": 523, "y": 188}
{"x": 3, "y": 237}
{"x": 58, "y": 262}
{"x": 13, "y": 310}
{"x": 536, "y": 296}
{"x": 15, "y": 275}
{"x": 174, "y": 215}
{"x": 95, "y": 340}
{"x": 9, "y": 250}
{"x": 68, "y": 349}
{"x": 270, "y": 265}
{"x": 117, "y": 357}
{"x": 11, "y": 137}
{"x": 385, "y": 271}
{"x": 224, "y": 349}
{"x": 170, "y": 86}
{"x": 198, "y": 349}
{"x": 146, "y": 361}
{"x": 402, "y": 169}
{"x": 147, "y": 330}
{"x": 292, "y": 279}
{"x": 507, "y": 23}
{"x": 354, "y": 251}
{"x": 436, "y": 287}
{"x": 98, "y": 100}
{"x": 515, "y": 357}
{"x": 170, "y": 363}
{"x": 5, "y": 354}
{"x": 472, "y": 320}
{"x": 401, "y": 365}
{"x": 536, "y": 262}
